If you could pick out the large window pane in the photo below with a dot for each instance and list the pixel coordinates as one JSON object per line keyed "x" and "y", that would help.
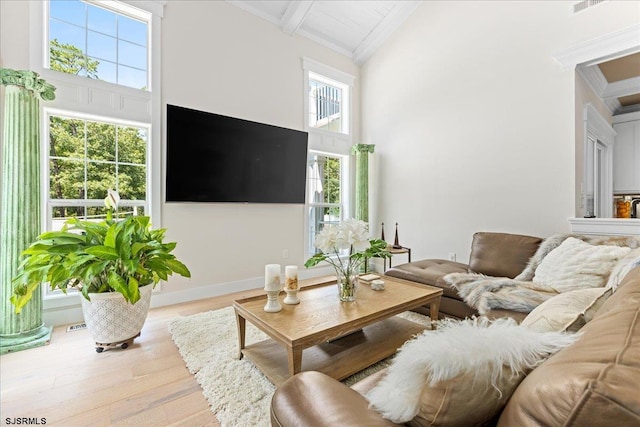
{"x": 132, "y": 77}
{"x": 132, "y": 182}
{"x": 132, "y": 30}
{"x": 132, "y": 145}
{"x": 67, "y": 34}
{"x": 325, "y": 106}
{"x": 66, "y": 179}
{"x": 66, "y": 137}
{"x": 68, "y": 11}
{"x": 101, "y": 20}
{"x": 107, "y": 71}
{"x": 86, "y": 40}
{"x": 101, "y": 47}
{"x": 132, "y": 55}
{"x": 100, "y": 178}
{"x": 87, "y": 158}
{"x": 101, "y": 141}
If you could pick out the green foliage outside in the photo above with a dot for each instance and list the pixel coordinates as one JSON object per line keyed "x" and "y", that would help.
{"x": 109, "y": 156}
{"x": 67, "y": 58}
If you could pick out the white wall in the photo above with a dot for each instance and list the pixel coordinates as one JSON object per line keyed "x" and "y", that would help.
{"x": 218, "y": 58}
{"x": 473, "y": 119}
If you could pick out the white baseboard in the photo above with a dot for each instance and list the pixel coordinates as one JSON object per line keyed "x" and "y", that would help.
{"x": 64, "y": 310}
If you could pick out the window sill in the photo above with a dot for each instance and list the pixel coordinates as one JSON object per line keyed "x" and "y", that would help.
{"x": 606, "y": 226}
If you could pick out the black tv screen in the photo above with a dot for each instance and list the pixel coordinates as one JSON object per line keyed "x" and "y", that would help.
{"x": 215, "y": 158}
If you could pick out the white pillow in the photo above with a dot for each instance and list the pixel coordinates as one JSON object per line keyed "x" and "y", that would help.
{"x": 469, "y": 366}
{"x": 568, "y": 311}
{"x": 576, "y": 265}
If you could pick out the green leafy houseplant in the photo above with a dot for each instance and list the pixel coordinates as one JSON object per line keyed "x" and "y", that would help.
{"x": 96, "y": 257}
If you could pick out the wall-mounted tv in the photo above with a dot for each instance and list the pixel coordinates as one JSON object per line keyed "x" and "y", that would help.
{"x": 215, "y": 158}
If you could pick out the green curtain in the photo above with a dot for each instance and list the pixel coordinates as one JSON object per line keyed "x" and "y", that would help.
{"x": 362, "y": 180}
{"x": 20, "y": 202}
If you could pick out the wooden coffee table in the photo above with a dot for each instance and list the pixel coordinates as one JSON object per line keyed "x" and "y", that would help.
{"x": 339, "y": 338}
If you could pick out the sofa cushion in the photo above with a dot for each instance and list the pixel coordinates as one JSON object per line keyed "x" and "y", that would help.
{"x": 313, "y": 399}
{"x": 462, "y": 373}
{"x": 595, "y": 381}
{"x": 576, "y": 264}
{"x": 429, "y": 271}
{"x": 568, "y": 311}
{"x": 501, "y": 254}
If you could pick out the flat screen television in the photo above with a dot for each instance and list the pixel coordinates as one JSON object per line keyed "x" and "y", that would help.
{"x": 215, "y": 158}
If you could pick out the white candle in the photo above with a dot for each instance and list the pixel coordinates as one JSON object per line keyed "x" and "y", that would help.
{"x": 272, "y": 277}
{"x": 291, "y": 276}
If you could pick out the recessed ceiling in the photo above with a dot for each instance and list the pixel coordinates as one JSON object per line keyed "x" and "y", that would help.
{"x": 353, "y": 28}
{"x": 617, "y": 82}
{"x": 622, "y": 69}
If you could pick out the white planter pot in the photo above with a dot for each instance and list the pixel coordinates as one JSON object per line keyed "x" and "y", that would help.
{"x": 111, "y": 319}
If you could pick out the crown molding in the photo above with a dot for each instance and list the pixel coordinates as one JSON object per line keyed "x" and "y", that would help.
{"x": 601, "y": 49}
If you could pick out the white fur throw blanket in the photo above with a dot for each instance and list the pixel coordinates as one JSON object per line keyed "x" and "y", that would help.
{"x": 474, "y": 346}
{"x": 571, "y": 266}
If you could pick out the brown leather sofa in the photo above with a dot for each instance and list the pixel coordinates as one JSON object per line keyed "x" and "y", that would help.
{"x": 492, "y": 254}
{"x": 594, "y": 382}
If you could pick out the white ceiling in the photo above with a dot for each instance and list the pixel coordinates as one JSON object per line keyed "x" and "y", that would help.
{"x": 353, "y": 28}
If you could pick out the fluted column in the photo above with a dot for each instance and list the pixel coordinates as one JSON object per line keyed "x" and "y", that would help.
{"x": 20, "y": 203}
{"x": 362, "y": 180}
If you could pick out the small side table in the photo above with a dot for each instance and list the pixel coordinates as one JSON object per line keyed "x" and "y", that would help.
{"x": 395, "y": 251}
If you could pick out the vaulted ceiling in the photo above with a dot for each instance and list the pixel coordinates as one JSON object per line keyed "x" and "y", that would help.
{"x": 353, "y": 28}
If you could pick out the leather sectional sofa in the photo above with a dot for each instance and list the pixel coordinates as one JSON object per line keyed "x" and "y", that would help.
{"x": 594, "y": 382}
{"x": 492, "y": 254}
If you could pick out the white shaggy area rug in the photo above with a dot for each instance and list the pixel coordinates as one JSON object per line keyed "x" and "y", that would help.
{"x": 238, "y": 393}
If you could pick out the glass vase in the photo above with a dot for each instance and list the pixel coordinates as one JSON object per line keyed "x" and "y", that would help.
{"x": 347, "y": 284}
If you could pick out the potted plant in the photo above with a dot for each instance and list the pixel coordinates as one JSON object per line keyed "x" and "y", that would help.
{"x": 114, "y": 263}
{"x": 346, "y": 246}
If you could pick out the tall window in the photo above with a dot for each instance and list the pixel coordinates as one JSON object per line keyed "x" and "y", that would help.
{"x": 326, "y": 104}
{"x": 325, "y": 192}
{"x": 328, "y": 99}
{"x": 103, "y": 129}
{"x": 327, "y": 107}
{"x": 85, "y": 159}
{"x": 91, "y": 40}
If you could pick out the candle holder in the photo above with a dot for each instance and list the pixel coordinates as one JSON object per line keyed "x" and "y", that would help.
{"x": 273, "y": 305}
{"x": 292, "y": 297}
{"x": 291, "y": 284}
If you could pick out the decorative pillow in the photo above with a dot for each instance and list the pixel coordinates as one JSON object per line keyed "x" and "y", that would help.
{"x": 568, "y": 311}
{"x": 462, "y": 373}
{"x": 576, "y": 265}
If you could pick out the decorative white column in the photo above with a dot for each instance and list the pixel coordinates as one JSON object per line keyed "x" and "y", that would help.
{"x": 20, "y": 202}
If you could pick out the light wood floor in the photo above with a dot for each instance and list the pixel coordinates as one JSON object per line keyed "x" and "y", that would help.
{"x": 148, "y": 384}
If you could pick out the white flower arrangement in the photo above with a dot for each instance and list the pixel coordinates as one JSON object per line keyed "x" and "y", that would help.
{"x": 346, "y": 246}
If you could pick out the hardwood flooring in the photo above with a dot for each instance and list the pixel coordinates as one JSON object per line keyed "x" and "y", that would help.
{"x": 69, "y": 384}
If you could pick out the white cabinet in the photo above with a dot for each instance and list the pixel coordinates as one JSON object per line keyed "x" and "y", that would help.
{"x": 626, "y": 154}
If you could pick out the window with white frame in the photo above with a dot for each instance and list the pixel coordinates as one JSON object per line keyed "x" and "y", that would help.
{"x": 99, "y": 41}
{"x": 86, "y": 158}
{"x": 327, "y": 108}
{"x": 103, "y": 129}
{"x": 328, "y": 98}
{"x": 325, "y": 192}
